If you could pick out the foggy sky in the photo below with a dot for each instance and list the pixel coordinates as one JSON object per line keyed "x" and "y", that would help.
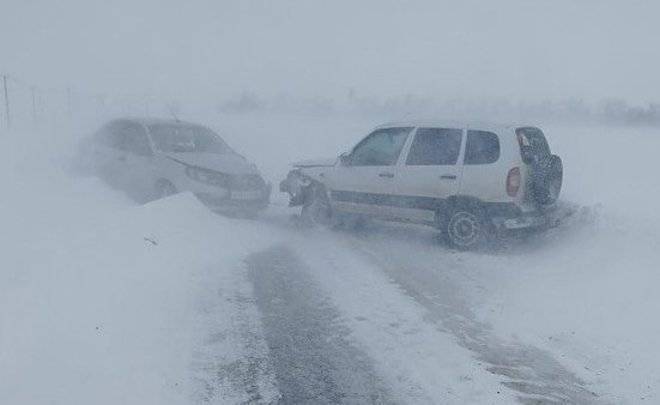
{"x": 519, "y": 49}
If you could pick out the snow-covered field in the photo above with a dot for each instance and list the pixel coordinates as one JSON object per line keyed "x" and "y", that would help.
{"x": 103, "y": 301}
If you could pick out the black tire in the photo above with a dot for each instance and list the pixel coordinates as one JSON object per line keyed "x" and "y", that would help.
{"x": 316, "y": 210}
{"x": 465, "y": 226}
{"x": 164, "y": 189}
{"x": 547, "y": 178}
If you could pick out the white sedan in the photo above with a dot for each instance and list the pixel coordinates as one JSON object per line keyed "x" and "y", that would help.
{"x": 151, "y": 159}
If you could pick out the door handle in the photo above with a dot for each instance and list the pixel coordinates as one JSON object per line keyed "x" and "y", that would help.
{"x": 386, "y": 174}
{"x": 122, "y": 158}
{"x": 448, "y": 177}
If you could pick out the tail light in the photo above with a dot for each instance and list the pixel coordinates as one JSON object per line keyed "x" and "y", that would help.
{"x": 513, "y": 181}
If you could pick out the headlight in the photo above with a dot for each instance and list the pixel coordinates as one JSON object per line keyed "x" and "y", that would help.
{"x": 209, "y": 177}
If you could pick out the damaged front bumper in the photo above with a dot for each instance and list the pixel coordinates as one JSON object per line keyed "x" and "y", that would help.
{"x": 295, "y": 184}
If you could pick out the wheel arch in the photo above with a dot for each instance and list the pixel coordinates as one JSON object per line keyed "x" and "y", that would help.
{"x": 445, "y": 208}
{"x": 160, "y": 181}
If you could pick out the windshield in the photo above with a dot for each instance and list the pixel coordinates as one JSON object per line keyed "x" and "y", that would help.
{"x": 192, "y": 139}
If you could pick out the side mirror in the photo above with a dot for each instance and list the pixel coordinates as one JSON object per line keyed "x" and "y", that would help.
{"x": 345, "y": 159}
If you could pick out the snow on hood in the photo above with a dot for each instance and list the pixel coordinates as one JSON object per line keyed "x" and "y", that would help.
{"x": 225, "y": 163}
{"x": 316, "y": 162}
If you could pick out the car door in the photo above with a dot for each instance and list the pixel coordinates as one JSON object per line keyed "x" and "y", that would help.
{"x": 429, "y": 173}
{"x": 480, "y": 169}
{"x": 362, "y": 181}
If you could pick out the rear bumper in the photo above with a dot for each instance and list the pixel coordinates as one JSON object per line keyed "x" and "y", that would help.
{"x": 237, "y": 201}
{"x": 511, "y": 217}
{"x": 525, "y": 221}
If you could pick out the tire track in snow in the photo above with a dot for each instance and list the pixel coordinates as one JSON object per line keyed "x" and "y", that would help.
{"x": 232, "y": 364}
{"x": 313, "y": 358}
{"x": 419, "y": 362}
{"x": 411, "y": 262}
{"x": 532, "y": 372}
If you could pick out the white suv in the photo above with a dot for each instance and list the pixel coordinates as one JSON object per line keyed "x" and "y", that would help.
{"x": 467, "y": 180}
{"x": 154, "y": 158}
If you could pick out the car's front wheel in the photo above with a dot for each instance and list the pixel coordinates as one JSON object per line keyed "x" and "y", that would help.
{"x": 164, "y": 189}
{"x": 466, "y": 227}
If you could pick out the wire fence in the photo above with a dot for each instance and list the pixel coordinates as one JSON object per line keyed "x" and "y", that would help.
{"x": 25, "y": 104}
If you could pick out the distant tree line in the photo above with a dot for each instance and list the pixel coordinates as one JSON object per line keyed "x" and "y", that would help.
{"x": 610, "y": 111}
{"x": 25, "y": 104}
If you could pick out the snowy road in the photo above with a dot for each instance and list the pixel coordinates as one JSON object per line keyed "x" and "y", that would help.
{"x": 384, "y": 317}
{"x": 314, "y": 360}
{"x": 107, "y": 302}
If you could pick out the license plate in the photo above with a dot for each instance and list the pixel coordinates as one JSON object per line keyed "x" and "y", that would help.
{"x": 245, "y": 195}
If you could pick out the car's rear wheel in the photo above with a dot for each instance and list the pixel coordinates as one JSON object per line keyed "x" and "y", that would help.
{"x": 316, "y": 210}
{"x": 466, "y": 227}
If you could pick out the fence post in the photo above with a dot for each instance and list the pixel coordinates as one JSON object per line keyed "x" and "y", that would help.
{"x": 8, "y": 117}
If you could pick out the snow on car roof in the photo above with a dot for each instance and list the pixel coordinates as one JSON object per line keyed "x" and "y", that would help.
{"x": 472, "y": 124}
{"x": 148, "y": 121}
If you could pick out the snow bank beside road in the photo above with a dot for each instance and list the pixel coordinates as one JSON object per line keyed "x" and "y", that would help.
{"x": 102, "y": 318}
{"x": 102, "y": 301}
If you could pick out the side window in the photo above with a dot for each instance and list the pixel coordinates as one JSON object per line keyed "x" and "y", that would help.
{"x": 482, "y": 147}
{"x": 135, "y": 140}
{"x": 435, "y": 147}
{"x": 381, "y": 148}
{"x": 115, "y": 138}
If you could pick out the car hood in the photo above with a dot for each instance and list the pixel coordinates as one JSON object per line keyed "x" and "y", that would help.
{"x": 316, "y": 162}
{"x": 224, "y": 163}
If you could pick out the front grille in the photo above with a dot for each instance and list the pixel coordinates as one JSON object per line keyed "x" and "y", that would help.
{"x": 247, "y": 182}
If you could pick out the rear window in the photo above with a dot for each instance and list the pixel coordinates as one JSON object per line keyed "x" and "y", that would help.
{"x": 435, "y": 147}
{"x": 482, "y": 147}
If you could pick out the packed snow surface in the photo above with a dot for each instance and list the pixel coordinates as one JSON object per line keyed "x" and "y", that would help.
{"x": 105, "y": 301}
